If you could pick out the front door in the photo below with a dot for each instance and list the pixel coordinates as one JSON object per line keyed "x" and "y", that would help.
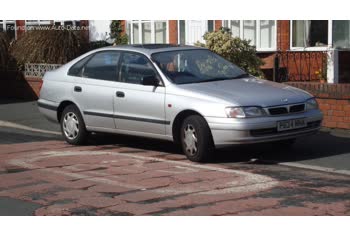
{"x": 195, "y": 30}
{"x": 94, "y": 90}
{"x": 137, "y": 107}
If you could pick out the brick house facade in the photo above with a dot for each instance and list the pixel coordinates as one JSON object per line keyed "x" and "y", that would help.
{"x": 300, "y": 52}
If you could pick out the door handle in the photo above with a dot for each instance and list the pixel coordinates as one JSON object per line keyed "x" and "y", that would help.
{"x": 120, "y": 94}
{"x": 77, "y": 89}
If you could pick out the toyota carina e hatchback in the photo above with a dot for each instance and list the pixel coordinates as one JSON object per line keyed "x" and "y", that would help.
{"x": 184, "y": 94}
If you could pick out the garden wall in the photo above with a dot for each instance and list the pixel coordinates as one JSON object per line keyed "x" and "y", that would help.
{"x": 334, "y": 101}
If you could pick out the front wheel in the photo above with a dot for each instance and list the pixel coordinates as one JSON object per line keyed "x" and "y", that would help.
{"x": 73, "y": 126}
{"x": 196, "y": 139}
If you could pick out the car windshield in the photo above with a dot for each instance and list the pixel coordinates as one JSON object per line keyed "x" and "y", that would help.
{"x": 196, "y": 66}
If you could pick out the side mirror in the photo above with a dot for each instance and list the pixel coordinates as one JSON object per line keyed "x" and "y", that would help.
{"x": 150, "y": 81}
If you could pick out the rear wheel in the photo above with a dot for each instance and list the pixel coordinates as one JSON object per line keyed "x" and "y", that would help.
{"x": 196, "y": 140}
{"x": 73, "y": 126}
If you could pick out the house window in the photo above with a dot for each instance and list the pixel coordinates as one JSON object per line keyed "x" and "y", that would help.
{"x": 309, "y": 33}
{"x": 249, "y": 31}
{"x": 160, "y": 32}
{"x": 182, "y": 32}
{"x": 210, "y": 25}
{"x": 267, "y": 34}
{"x": 66, "y": 23}
{"x": 261, "y": 33}
{"x": 147, "y": 31}
{"x": 341, "y": 33}
{"x": 35, "y": 24}
{"x": 8, "y": 26}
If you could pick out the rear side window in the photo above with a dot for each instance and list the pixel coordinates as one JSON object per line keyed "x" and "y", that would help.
{"x": 135, "y": 67}
{"x": 102, "y": 65}
{"x": 76, "y": 69}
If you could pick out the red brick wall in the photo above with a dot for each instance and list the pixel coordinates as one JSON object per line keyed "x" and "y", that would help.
{"x": 173, "y": 33}
{"x": 334, "y": 101}
{"x": 218, "y": 24}
{"x": 283, "y": 35}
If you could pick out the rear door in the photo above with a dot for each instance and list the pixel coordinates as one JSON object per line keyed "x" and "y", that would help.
{"x": 94, "y": 91}
{"x": 137, "y": 107}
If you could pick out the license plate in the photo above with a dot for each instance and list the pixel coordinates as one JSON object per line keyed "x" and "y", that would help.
{"x": 291, "y": 124}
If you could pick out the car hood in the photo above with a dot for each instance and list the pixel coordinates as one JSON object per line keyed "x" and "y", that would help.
{"x": 249, "y": 92}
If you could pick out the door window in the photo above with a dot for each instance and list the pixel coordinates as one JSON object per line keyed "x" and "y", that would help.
{"x": 135, "y": 67}
{"x": 103, "y": 65}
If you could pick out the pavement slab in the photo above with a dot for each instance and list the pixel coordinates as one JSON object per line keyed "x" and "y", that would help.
{"x": 108, "y": 180}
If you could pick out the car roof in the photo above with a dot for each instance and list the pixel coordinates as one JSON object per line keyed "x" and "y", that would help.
{"x": 149, "y": 49}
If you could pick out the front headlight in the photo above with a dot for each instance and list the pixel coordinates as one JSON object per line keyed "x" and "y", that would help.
{"x": 311, "y": 104}
{"x": 244, "y": 112}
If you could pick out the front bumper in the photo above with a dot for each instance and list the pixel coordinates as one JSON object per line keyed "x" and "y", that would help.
{"x": 229, "y": 131}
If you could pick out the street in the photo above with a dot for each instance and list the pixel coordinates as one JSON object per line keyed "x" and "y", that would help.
{"x": 40, "y": 174}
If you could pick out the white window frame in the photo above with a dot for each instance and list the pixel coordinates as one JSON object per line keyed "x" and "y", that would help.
{"x": 257, "y": 45}
{"x": 74, "y": 22}
{"x": 178, "y": 29}
{"x": 4, "y": 22}
{"x": 324, "y": 48}
{"x": 139, "y": 22}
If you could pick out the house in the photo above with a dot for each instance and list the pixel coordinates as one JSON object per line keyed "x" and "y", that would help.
{"x": 293, "y": 50}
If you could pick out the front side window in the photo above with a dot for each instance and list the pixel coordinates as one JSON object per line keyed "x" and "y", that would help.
{"x": 195, "y": 66}
{"x": 310, "y": 33}
{"x": 103, "y": 66}
{"x": 135, "y": 67}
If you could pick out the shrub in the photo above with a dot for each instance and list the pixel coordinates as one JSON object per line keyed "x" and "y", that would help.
{"x": 47, "y": 46}
{"x": 117, "y": 33}
{"x": 4, "y": 51}
{"x": 235, "y": 50}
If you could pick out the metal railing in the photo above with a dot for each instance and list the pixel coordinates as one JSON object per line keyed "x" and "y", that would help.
{"x": 300, "y": 66}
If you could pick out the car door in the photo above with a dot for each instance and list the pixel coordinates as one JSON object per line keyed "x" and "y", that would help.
{"x": 137, "y": 107}
{"x": 94, "y": 91}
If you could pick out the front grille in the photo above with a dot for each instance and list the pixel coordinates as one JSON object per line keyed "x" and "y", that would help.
{"x": 286, "y": 109}
{"x": 297, "y": 108}
{"x": 278, "y": 111}
{"x": 273, "y": 131}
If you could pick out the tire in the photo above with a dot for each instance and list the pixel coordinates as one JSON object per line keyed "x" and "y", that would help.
{"x": 72, "y": 126}
{"x": 196, "y": 139}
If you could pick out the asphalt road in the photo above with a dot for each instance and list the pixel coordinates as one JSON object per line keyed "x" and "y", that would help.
{"x": 46, "y": 176}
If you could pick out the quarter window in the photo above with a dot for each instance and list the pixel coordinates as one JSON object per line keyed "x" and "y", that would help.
{"x": 135, "y": 67}
{"x": 102, "y": 66}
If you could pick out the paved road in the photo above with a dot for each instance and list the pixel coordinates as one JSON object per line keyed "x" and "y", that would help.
{"x": 115, "y": 175}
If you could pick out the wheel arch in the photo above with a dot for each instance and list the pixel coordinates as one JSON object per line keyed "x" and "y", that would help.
{"x": 180, "y": 117}
{"x": 62, "y": 106}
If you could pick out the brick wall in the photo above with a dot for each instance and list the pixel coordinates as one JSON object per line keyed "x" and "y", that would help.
{"x": 334, "y": 102}
{"x": 173, "y": 33}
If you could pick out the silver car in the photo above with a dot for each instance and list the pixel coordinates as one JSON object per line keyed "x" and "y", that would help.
{"x": 185, "y": 94}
